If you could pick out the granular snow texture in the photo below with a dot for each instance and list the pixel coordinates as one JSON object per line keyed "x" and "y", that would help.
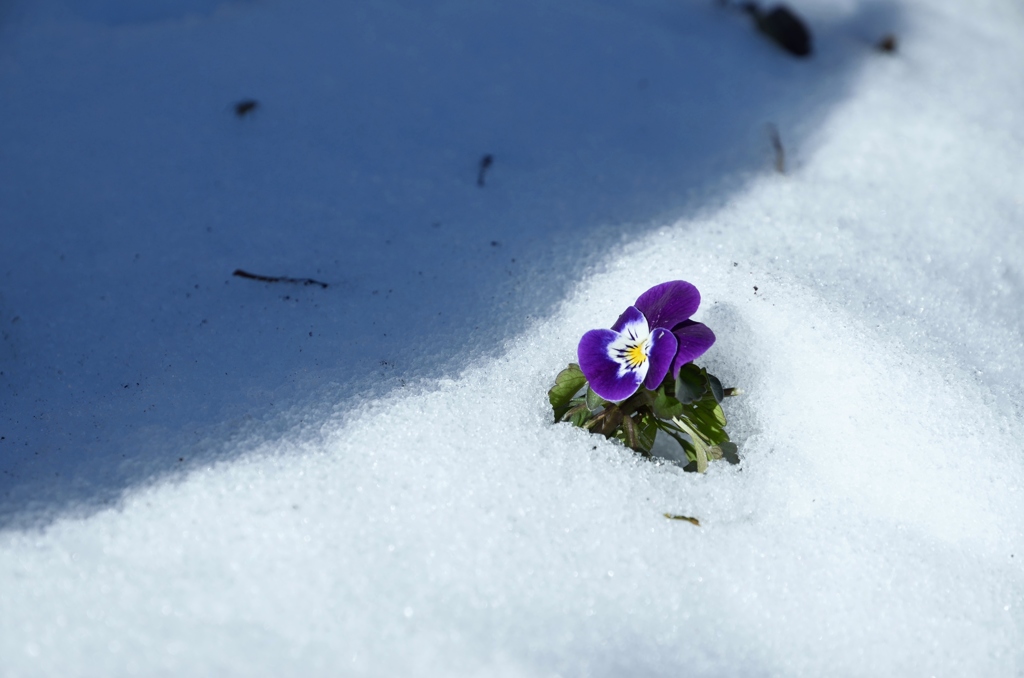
{"x": 407, "y": 507}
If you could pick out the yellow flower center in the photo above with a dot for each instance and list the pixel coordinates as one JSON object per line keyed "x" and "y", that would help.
{"x": 635, "y": 356}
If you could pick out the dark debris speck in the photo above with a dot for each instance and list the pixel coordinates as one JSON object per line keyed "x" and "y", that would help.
{"x": 485, "y": 164}
{"x": 888, "y": 44}
{"x": 245, "y": 107}
{"x": 785, "y": 28}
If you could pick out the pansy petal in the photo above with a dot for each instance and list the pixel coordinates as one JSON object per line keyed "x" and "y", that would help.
{"x": 694, "y": 339}
{"x": 663, "y": 349}
{"x": 668, "y": 304}
{"x": 632, "y": 323}
{"x": 604, "y": 374}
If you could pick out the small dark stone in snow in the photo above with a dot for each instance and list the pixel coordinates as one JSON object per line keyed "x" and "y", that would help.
{"x": 755, "y": 289}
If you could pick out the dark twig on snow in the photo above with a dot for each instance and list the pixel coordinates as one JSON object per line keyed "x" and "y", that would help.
{"x": 245, "y": 106}
{"x": 274, "y": 279}
{"x": 689, "y": 519}
{"x": 485, "y": 164}
{"x": 780, "y": 152}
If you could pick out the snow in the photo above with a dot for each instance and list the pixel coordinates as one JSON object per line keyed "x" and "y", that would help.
{"x": 374, "y": 486}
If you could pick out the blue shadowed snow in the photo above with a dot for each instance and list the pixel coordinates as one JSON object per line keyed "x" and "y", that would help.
{"x": 132, "y": 192}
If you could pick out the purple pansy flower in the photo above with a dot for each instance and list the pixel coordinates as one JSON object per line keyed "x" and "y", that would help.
{"x": 650, "y": 338}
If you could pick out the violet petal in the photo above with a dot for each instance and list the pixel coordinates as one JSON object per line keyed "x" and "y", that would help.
{"x": 601, "y": 371}
{"x": 630, "y": 318}
{"x": 694, "y": 339}
{"x": 663, "y": 349}
{"x": 668, "y": 304}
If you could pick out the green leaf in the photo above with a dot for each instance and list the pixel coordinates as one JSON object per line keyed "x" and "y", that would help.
{"x": 577, "y": 415}
{"x": 707, "y": 418}
{"x": 714, "y": 409}
{"x": 688, "y": 448}
{"x": 702, "y": 456}
{"x": 636, "y": 434}
{"x": 607, "y": 422}
{"x": 691, "y": 384}
{"x": 627, "y": 433}
{"x": 647, "y": 431}
{"x": 699, "y": 444}
{"x": 716, "y": 388}
{"x": 706, "y": 421}
{"x": 594, "y": 401}
{"x": 568, "y": 383}
{"x": 664, "y": 405}
{"x": 729, "y": 452}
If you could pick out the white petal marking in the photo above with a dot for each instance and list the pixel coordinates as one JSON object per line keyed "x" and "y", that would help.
{"x": 632, "y": 348}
